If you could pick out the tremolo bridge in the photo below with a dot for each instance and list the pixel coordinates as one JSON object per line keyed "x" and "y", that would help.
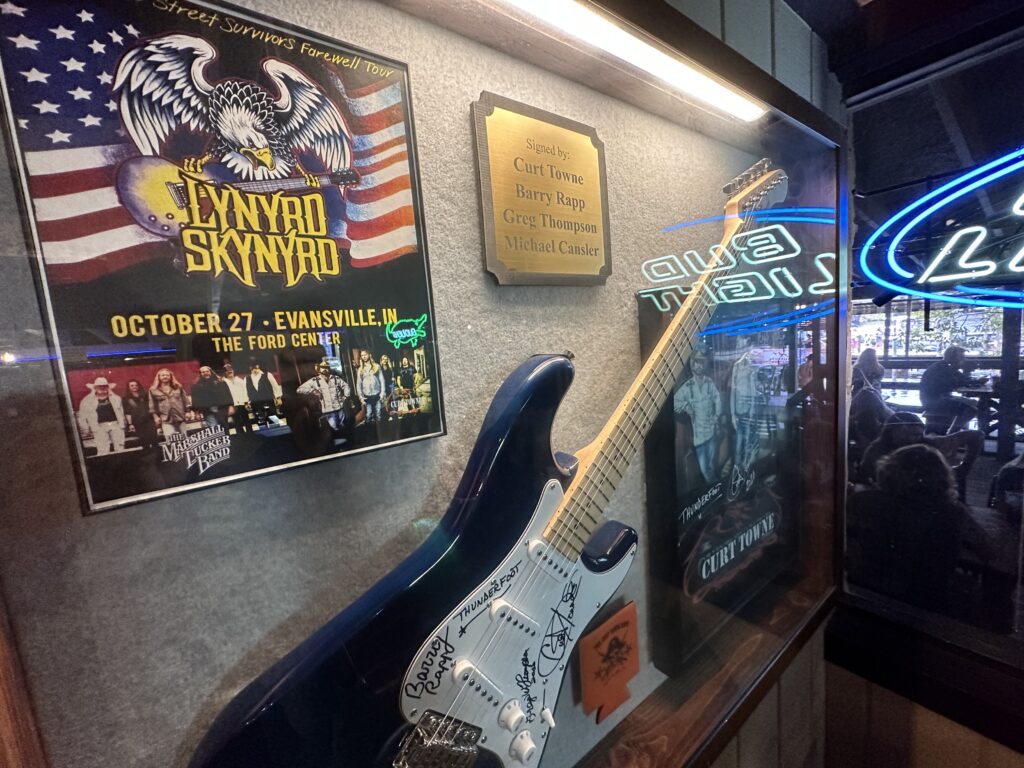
{"x": 438, "y": 742}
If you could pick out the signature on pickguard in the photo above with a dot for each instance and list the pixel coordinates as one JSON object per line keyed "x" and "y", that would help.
{"x": 500, "y": 584}
{"x": 558, "y": 635}
{"x": 523, "y": 681}
{"x": 437, "y": 661}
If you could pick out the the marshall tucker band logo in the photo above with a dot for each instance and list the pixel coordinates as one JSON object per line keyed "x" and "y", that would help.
{"x": 201, "y": 449}
{"x": 229, "y": 202}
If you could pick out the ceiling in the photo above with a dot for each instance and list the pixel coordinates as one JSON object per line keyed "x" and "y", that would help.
{"x": 874, "y": 42}
{"x": 933, "y": 90}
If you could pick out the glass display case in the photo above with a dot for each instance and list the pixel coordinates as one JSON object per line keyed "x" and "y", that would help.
{"x": 933, "y": 529}
{"x": 240, "y": 372}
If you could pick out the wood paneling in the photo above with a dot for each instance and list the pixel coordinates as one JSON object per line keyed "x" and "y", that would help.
{"x": 872, "y": 727}
{"x": 20, "y": 746}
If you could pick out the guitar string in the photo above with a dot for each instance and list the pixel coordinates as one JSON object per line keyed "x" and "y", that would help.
{"x": 681, "y": 336}
{"x": 677, "y": 339}
{"x": 679, "y": 333}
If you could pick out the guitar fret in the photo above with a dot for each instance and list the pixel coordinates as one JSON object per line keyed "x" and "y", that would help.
{"x": 593, "y": 489}
{"x": 600, "y": 490}
{"x": 601, "y": 469}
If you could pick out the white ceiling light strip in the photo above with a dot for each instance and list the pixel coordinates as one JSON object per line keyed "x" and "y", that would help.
{"x": 580, "y": 22}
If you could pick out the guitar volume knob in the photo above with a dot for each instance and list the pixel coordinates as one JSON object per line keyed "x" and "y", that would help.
{"x": 511, "y": 716}
{"x": 523, "y": 747}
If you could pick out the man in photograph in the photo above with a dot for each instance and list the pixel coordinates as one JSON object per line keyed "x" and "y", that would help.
{"x": 331, "y": 389}
{"x": 101, "y": 413}
{"x": 239, "y": 398}
{"x": 263, "y": 391}
{"x": 212, "y": 399}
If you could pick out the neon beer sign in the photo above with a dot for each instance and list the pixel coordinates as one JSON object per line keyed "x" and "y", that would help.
{"x": 961, "y": 259}
{"x": 769, "y": 249}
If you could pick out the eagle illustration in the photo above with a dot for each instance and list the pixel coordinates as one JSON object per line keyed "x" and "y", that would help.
{"x": 163, "y": 88}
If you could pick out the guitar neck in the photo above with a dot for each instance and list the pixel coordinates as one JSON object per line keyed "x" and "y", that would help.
{"x": 582, "y": 508}
{"x": 279, "y": 185}
{"x": 270, "y": 185}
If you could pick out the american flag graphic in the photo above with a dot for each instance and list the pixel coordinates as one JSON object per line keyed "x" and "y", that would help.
{"x": 59, "y": 63}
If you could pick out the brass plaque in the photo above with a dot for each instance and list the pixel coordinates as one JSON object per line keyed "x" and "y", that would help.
{"x": 542, "y": 194}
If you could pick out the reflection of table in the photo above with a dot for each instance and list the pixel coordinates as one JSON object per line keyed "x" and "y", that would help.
{"x": 988, "y": 407}
{"x": 993, "y": 543}
{"x": 994, "y": 417}
{"x": 903, "y": 400}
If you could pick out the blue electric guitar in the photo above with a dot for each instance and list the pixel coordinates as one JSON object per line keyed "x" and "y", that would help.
{"x": 455, "y": 659}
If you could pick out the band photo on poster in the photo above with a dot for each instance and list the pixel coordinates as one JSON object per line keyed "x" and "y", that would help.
{"x": 228, "y": 226}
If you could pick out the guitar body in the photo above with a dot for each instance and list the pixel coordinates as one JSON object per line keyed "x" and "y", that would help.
{"x": 348, "y": 696}
{"x": 144, "y": 187}
{"x": 455, "y": 659}
{"x": 152, "y": 191}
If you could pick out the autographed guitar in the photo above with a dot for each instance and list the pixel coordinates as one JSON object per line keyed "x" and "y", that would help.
{"x": 152, "y": 190}
{"x": 455, "y": 659}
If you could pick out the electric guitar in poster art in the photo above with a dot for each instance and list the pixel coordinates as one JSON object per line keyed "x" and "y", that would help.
{"x": 154, "y": 191}
{"x": 456, "y": 658}
{"x": 247, "y": 135}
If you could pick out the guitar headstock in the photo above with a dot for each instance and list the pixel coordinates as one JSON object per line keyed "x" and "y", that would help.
{"x": 346, "y": 178}
{"x": 758, "y": 187}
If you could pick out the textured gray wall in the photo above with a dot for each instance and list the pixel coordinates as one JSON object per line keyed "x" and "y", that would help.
{"x": 137, "y": 625}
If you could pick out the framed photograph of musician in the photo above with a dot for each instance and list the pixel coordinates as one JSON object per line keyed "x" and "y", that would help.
{"x": 226, "y": 218}
{"x": 747, "y": 434}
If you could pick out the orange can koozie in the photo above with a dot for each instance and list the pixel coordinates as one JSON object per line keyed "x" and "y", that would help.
{"x": 609, "y": 659}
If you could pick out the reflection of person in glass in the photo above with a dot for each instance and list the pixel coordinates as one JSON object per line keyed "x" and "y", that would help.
{"x": 239, "y": 398}
{"x": 332, "y": 391}
{"x": 904, "y": 538}
{"x": 370, "y": 386}
{"x": 867, "y": 370}
{"x": 212, "y": 399}
{"x": 960, "y": 450}
{"x": 868, "y": 411}
{"x": 102, "y": 414}
{"x": 941, "y": 379}
{"x": 743, "y": 399}
{"x": 169, "y": 403}
{"x": 138, "y": 411}
{"x": 263, "y": 391}
{"x": 699, "y": 399}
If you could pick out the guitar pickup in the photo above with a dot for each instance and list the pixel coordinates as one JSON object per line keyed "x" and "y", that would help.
{"x": 177, "y": 194}
{"x": 504, "y": 611}
{"x": 549, "y": 559}
{"x": 473, "y": 681}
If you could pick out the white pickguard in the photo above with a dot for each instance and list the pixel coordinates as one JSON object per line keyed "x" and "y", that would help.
{"x": 498, "y": 660}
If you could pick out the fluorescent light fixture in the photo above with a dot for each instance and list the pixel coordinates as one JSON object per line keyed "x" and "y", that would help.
{"x": 581, "y": 22}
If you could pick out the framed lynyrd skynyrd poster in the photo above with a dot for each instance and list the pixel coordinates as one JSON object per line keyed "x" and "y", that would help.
{"x": 225, "y": 213}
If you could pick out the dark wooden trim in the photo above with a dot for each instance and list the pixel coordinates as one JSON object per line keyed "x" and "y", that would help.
{"x": 20, "y": 745}
{"x": 731, "y": 723}
{"x": 978, "y": 690}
